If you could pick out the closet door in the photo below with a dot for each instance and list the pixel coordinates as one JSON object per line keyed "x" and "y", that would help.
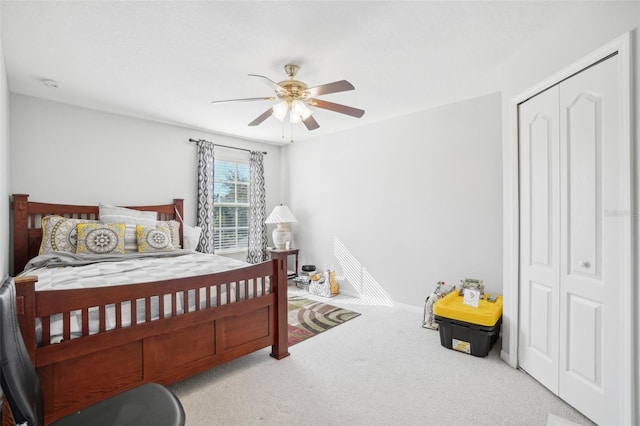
{"x": 571, "y": 241}
{"x": 592, "y": 242}
{"x": 540, "y": 237}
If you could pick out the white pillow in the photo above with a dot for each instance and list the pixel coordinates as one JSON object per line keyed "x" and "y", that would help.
{"x": 113, "y": 214}
{"x": 190, "y": 236}
{"x": 131, "y": 218}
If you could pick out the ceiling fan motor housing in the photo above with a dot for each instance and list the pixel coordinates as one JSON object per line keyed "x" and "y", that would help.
{"x": 293, "y": 89}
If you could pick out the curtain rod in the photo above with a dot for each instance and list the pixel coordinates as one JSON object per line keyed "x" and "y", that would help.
{"x": 224, "y": 146}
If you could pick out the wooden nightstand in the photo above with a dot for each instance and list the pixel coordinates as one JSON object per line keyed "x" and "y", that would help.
{"x": 284, "y": 255}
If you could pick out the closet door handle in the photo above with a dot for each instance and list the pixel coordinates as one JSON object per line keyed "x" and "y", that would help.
{"x": 585, "y": 264}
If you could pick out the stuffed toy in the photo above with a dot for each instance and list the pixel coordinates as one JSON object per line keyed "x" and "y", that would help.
{"x": 442, "y": 289}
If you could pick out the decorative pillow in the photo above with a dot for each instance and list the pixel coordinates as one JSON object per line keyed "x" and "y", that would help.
{"x": 174, "y": 231}
{"x": 153, "y": 238}
{"x": 191, "y": 236}
{"x": 60, "y": 234}
{"x": 100, "y": 238}
{"x": 130, "y": 217}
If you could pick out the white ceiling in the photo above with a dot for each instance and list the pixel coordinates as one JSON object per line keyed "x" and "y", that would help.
{"x": 167, "y": 60}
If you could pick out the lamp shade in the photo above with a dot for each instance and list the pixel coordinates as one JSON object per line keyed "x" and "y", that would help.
{"x": 281, "y": 214}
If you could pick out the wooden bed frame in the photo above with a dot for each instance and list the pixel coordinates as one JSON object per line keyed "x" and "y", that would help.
{"x": 80, "y": 371}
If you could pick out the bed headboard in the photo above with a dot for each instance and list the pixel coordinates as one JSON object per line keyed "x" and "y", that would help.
{"x": 27, "y": 215}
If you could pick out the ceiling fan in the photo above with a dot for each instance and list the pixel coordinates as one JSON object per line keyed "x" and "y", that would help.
{"x": 295, "y": 97}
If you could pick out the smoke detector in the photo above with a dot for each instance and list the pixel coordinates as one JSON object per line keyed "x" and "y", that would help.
{"x": 51, "y": 83}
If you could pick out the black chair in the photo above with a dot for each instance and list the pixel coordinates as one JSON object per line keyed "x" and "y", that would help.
{"x": 148, "y": 404}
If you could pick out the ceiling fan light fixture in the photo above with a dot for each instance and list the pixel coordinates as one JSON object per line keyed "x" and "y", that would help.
{"x": 280, "y": 110}
{"x": 306, "y": 114}
{"x": 301, "y": 110}
{"x": 294, "y": 118}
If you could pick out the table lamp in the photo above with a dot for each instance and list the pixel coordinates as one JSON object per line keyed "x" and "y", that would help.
{"x": 282, "y": 217}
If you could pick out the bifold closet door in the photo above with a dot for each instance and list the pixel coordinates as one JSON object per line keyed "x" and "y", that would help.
{"x": 540, "y": 237}
{"x": 571, "y": 249}
{"x": 592, "y": 242}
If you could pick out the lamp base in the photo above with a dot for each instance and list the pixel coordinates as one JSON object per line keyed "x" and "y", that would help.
{"x": 281, "y": 237}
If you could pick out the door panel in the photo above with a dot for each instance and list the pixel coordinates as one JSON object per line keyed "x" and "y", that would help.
{"x": 541, "y": 298}
{"x": 584, "y": 179}
{"x": 539, "y": 227}
{"x": 540, "y": 190}
{"x": 590, "y": 316}
{"x": 584, "y": 350}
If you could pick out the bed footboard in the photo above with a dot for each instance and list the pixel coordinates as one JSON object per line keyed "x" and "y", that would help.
{"x": 190, "y": 334}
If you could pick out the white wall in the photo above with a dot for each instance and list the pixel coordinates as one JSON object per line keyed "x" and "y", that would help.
{"x": 61, "y": 153}
{"x": 399, "y": 205}
{"x": 4, "y": 168}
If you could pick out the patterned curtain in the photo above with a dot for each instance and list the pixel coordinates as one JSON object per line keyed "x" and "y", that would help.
{"x": 257, "y": 210}
{"x": 205, "y": 196}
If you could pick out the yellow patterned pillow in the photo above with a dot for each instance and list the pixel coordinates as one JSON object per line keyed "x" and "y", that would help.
{"x": 153, "y": 238}
{"x": 60, "y": 234}
{"x": 100, "y": 238}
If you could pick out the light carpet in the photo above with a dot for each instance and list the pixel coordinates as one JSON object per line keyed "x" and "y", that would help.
{"x": 381, "y": 368}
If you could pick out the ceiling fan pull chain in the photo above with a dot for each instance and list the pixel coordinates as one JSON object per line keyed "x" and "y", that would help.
{"x": 291, "y": 125}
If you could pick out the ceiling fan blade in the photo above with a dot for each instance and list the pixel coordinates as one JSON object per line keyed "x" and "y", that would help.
{"x": 310, "y": 123}
{"x": 262, "y": 117}
{"x": 342, "y": 109}
{"x": 243, "y": 100}
{"x": 336, "y": 86}
{"x": 270, "y": 82}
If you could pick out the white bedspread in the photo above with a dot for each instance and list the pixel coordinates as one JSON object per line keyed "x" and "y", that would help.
{"x": 123, "y": 269}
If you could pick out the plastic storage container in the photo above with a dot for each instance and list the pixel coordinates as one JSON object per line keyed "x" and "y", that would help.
{"x": 466, "y": 328}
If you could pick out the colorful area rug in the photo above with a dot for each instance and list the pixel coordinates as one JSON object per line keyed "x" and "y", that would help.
{"x": 309, "y": 317}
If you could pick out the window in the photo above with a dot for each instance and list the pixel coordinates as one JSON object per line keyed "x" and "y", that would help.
{"x": 231, "y": 205}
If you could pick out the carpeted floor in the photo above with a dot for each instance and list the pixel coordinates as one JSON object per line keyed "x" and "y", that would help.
{"x": 308, "y": 318}
{"x": 380, "y": 369}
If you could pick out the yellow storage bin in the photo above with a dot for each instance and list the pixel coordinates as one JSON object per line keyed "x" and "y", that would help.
{"x": 452, "y": 307}
{"x": 466, "y": 328}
